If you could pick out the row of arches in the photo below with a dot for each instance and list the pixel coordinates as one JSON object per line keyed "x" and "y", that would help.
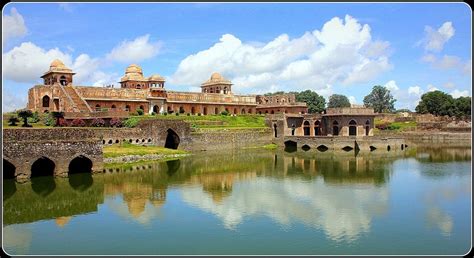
{"x": 206, "y": 111}
{"x": 292, "y": 146}
{"x": 113, "y": 107}
{"x": 44, "y": 166}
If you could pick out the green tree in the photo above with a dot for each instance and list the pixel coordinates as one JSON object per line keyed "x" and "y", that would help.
{"x": 462, "y": 106}
{"x": 338, "y": 101}
{"x": 380, "y": 99}
{"x": 57, "y": 115}
{"x": 13, "y": 120}
{"x": 24, "y": 114}
{"x": 316, "y": 103}
{"x": 437, "y": 103}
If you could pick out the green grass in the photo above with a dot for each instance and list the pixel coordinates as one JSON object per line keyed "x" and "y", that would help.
{"x": 131, "y": 149}
{"x": 215, "y": 121}
{"x": 403, "y": 125}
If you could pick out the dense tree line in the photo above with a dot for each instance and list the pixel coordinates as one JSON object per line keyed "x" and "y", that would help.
{"x": 441, "y": 104}
{"x": 382, "y": 101}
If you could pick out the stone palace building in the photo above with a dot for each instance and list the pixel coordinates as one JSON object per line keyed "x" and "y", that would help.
{"x": 58, "y": 93}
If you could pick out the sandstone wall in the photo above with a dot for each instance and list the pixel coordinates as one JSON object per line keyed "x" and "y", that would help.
{"x": 230, "y": 138}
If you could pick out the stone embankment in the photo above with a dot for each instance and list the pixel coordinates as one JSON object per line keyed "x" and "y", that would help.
{"x": 135, "y": 158}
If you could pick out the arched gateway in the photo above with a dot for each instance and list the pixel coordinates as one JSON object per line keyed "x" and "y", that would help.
{"x": 172, "y": 139}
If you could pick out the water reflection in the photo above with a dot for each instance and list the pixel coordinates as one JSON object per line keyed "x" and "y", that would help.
{"x": 340, "y": 195}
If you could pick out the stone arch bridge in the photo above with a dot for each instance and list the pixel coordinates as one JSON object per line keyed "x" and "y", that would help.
{"x": 29, "y": 152}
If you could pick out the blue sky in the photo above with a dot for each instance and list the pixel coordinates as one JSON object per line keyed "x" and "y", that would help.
{"x": 329, "y": 48}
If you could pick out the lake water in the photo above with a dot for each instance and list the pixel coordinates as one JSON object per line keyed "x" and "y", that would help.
{"x": 250, "y": 202}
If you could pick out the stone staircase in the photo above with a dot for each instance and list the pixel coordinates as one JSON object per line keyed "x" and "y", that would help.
{"x": 78, "y": 103}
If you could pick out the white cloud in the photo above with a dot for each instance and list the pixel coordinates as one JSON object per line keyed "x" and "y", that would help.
{"x": 432, "y": 88}
{"x": 457, "y": 93}
{"x": 392, "y": 86}
{"x": 13, "y": 25}
{"x": 341, "y": 52}
{"x": 449, "y": 85}
{"x": 134, "y": 51}
{"x": 406, "y": 98}
{"x": 352, "y": 100}
{"x": 448, "y": 62}
{"x": 27, "y": 62}
{"x": 13, "y": 101}
{"x": 415, "y": 90}
{"x": 434, "y": 40}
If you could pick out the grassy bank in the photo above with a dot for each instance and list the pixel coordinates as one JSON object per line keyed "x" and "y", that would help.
{"x": 131, "y": 149}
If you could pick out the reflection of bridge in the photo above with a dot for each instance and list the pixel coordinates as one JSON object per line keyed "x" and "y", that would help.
{"x": 59, "y": 152}
{"x": 345, "y": 143}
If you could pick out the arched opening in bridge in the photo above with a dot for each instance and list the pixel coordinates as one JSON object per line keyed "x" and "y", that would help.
{"x": 372, "y": 148}
{"x": 367, "y": 127}
{"x": 388, "y": 147}
{"x": 306, "y": 128}
{"x": 172, "y": 140}
{"x": 80, "y": 164}
{"x": 42, "y": 167}
{"x": 401, "y": 147}
{"x": 305, "y": 147}
{"x": 275, "y": 130}
{"x": 316, "y": 127}
{"x": 335, "y": 128}
{"x": 8, "y": 170}
{"x": 322, "y": 148}
{"x": 352, "y": 128}
{"x": 156, "y": 109}
{"x": 62, "y": 80}
{"x": 290, "y": 146}
{"x": 81, "y": 182}
{"x": 347, "y": 148}
{"x": 46, "y": 101}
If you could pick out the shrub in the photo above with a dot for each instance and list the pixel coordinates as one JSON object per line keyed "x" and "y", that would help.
{"x": 165, "y": 113}
{"x": 177, "y": 114}
{"x": 49, "y": 120}
{"x": 116, "y": 122}
{"x": 25, "y": 114}
{"x": 62, "y": 122}
{"x": 35, "y": 118}
{"x": 153, "y": 113}
{"x": 394, "y": 127}
{"x": 98, "y": 122}
{"x": 382, "y": 126}
{"x": 130, "y": 122}
{"x": 225, "y": 113}
{"x": 199, "y": 114}
{"x": 188, "y": 114}
{"x": 13, "y": 120}
{"x": 78, "y": 123}
{"x": 140, "y": 111}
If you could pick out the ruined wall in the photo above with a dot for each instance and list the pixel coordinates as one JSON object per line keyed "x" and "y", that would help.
{"x": 230, "y": 138}
{"x": 22, "y": 147}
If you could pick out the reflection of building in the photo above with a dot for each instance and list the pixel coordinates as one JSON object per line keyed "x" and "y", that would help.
{"x": 149, "y": 94}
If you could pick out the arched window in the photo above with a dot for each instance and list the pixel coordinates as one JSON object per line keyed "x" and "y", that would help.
{"x": 46, "y": 101}
{"x": 127, "y": 108}
{"x": 114, "y": 107}
{"x": 181, "y": 110}
{"x": 139, "y": 86}
{"x": 193, "y": 110}
{"x": 142, "y": 107}
{"x": 242, "y": 111}
{"x": 316, "y": 127}
{"x": 225, "y": 90}
{"x": 97, "y": 107}
{"x": 273, "y": 112}
{"x": 216, "y": 111}
{"x": 335, "y": 128}
{"x": 235, "y": 111}
{"x": 62, "y": 80}
{"x": 306, "y": 128}
{"x": 352, "y": 128}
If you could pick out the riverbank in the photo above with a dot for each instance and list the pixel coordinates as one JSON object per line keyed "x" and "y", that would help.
{"x": 126, "y": 152}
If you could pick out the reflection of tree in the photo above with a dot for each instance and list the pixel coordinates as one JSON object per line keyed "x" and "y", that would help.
{"x": 442, "y": 154}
